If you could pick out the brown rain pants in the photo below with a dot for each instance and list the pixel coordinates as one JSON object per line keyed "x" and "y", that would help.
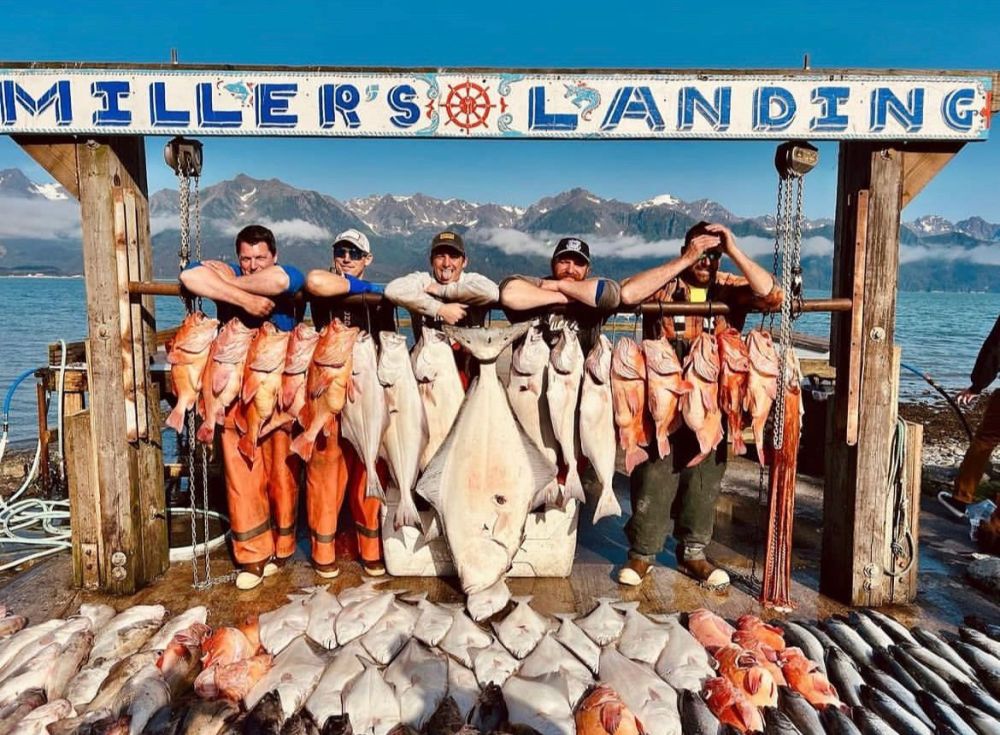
{"x": 984, "y": 441}
{"x": 335, "y": 471}
{"x": 262, "y": 495}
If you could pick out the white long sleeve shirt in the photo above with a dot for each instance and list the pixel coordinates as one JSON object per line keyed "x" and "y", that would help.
{"x": 470, "y": 288}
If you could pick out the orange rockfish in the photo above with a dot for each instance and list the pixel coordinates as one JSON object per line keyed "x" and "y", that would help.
{"x": 628, "y": 393}
{"x": 762, "y": 387}
{"x": 742, "y": 669}
{"x": 732, "y": 706}
{"x": 711, "y": 630}
{"x": 326, "y": 385}
{"x": 223, "y": 376}
{"x": 701, "y": 406}
{"x": 261, "y": 385}
{"x": 292, "y": 398}
{"x": 187, "y": 354}
{"x": 804, "y": 677}
{"x": 665, "y": 386}
{"x": 734, "y": 360}
{"x": 602, "y": 712}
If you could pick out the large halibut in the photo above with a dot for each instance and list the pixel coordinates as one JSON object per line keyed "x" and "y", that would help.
{"x": 489, "y": 473}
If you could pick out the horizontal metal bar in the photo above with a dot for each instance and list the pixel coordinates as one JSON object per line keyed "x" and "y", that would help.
{"x": 172, "y": 288}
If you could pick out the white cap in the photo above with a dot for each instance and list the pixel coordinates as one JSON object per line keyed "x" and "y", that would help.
{"x": 355, "y": 238}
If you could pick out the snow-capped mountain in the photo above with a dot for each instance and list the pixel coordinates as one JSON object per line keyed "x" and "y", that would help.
{"x": 14, "y": 184}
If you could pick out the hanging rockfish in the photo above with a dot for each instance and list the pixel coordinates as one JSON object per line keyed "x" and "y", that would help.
{"x": 406, "y": 426}
{"x": 292, "y": 398}
{"x": 526, "y": 391}
{"x": 628, "y": 390}
{"x": 777, "y": 578}
{"x": 564, "y": 372}
{"x": 261, "y": 385}
{"x": 734, "y": 360}
{"x": 326, "y": 385}
{"x": 700, "y": 407}
{"x": 440, "y": 387}
{"x": 488, "y": 474}
{"x": 364, "y": 413}
{"x": 223, "y": 376}
{"x": 597, "y": 416}
{"x": 665, "y": 386}
{"x": 187, "y": 354}
{"x": 762, "y": 386}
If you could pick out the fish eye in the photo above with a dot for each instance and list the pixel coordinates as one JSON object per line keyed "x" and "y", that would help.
{"x": 500, "y": 499}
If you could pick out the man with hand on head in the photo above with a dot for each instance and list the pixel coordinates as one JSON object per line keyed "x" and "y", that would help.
{"x": 262, "y": 495}
{"x": 335, "y": 470}
{"x": 692, "y": 277}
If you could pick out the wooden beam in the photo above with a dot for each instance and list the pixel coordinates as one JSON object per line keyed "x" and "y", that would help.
{"x": 855, "y": 538}
{"x": 84, "y": 500}
{"x": 111, "y": 171}
{"x": 57, "y": 155}
{"x": 923, "y": 163}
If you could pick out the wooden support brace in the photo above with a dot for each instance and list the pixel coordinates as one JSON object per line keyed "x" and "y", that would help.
{"x": 922, "y": 163}
{"x": 57, "y": 155}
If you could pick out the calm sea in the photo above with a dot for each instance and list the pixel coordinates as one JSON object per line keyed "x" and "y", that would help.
{"x": 940, "y": 333}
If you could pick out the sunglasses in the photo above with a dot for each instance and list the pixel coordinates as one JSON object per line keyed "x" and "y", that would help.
{"x": 712, "y": 255}
{"x": 349, "y": 253}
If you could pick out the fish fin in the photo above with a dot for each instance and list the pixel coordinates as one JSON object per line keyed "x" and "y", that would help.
{"x": 543, "y": 470}
{"x": 206, "y": 432}
{"x": 753, "y": 681}
{"x": 626, "y": 606}
{"x": 632, "y": 400}
{"x": 220, "y": 376}
{"x": 240, "y": 419}
{"x": 683, "y": 387}
{"x": 710, "y": 401}
{"x": 374, "y": 488}
{"x": 176, "y": 418}
{"x": 486, "y": 344}
{"x": 639, "y": 728}
{"x": 287, "y": 396}
{"x": 607, "y": 505}
{"x": 406, "y": 513}
{"x": 611, "y": 717}
{"x": 303, "y": 445}
{"x": 433, "y": 529}
{"x": 698, "y": 459}
{"x": 634, "y": 458}
{"x": 247, "y": 445}
{"x": 522, "y": 599}
{"x": 662, "y": 441}
{"x": 323, "y": 381}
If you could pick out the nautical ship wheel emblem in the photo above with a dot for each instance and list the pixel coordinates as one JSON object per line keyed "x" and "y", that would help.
{"x": 468, "y": 105}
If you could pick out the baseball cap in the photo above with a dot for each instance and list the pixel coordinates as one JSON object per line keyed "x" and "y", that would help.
{"x": 448, "y": 239}
{"x": 355, "y": 238}
{"x": 572, "y": 245}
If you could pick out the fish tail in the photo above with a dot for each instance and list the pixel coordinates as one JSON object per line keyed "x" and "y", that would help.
{"x": 573, "y": 489}
{"x": 247, "y": 444}
{"x": 633, "y": 458}
{"x": 176, "y": 418}
{"x": 406, "y": 513}
{"x": 607, "y": 505}
{"x": 374, "y": 489}
{"x": 739, "y": 446}
{"x": 663, "y": 440}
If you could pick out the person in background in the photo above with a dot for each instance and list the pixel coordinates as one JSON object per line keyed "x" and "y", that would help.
{"x": 694, "y": 276}
{"x": 987, "y": 435}
{"x": 589, "y": 300}
{"x": 447, "y": 294}
{"x": 335, "y": 470}
{"x": 263, "y": 495}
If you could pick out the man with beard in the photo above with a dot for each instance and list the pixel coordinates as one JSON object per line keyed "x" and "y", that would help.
{"x": 692, "y": 277}
{"x": 589, "y": 301}
{"x": 262, "y": 494}
{"x": 335, "y": 470}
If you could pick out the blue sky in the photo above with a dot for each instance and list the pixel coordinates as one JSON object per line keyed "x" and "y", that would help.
{"x": 915, "y": 34}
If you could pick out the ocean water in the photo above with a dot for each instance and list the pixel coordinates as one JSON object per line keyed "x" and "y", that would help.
{"x": 940, "y": 333}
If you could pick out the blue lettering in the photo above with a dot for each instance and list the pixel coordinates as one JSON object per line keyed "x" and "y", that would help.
{"x": 956, "y": 111}
{"x": 14, "y": 95}
{"x": 401, "y": 101}
{"x": 539, "y": 119}
{"x": 910, "y": 115}
{"x": 828, "y": 98}
{"x": 110, "y": 94}
{"x": 272, "y": 105}
{"x": 715, "y": 112}
{"x": 159, "y": 115}
{"x": 773, "y": 108}
{"x": 633, "y": 103}
{"x": 342, "y": 98}
{"x": 209, "y": 117}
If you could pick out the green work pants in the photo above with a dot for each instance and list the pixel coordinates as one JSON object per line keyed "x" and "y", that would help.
{"x": 664, "y": 488}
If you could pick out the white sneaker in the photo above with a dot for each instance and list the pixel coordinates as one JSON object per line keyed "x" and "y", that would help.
{"x": 247, "y": 580}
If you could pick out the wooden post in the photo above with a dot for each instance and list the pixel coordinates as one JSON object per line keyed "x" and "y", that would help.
{"x": 84, "y": 500}
{"x": 125, "y": 435}
{"x": 43, "y": 437}
{"x": 855, "y": 538}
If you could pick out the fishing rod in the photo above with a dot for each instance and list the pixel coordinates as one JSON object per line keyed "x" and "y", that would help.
{"x": 948, "y": 398}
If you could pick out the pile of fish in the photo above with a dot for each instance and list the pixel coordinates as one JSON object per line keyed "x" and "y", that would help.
{"x": 374, "y": 661}
{"x": 723, "y": 375}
